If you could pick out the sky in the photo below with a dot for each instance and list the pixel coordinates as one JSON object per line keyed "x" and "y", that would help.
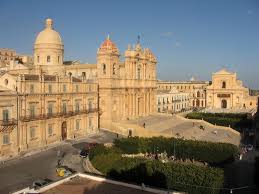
{"x": 191, "y": 38}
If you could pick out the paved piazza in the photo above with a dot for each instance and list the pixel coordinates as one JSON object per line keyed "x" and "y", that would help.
{"x": 179, "y": 126}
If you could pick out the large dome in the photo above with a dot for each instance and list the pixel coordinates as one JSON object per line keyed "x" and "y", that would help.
{"x": 48, "y": 35}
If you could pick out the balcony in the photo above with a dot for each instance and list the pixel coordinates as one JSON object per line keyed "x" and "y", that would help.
{"x": 8, "y": 122}
{"x": 58, "y": 114}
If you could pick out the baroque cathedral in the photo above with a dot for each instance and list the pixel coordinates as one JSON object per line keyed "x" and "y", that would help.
{"x": 52, "y": 100}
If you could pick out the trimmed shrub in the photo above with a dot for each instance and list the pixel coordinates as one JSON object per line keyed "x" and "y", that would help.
{"x": 172, "y": 175}
{"x": 236, "y": 121}
{"x": 213, "y": 153}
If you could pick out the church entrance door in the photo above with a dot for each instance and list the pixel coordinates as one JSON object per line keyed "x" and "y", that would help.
{"x": 64, "y": 130}
{"x": 223, "y": 103}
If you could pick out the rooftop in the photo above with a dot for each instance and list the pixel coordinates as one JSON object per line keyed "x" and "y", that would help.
{"x": 83, "y": 183}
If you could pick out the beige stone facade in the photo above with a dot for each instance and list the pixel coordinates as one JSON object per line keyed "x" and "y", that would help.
{"x": 172, "y": 101}
{"x": 52, "y": 100}
{"x": 47, "y": 109}
{"x": 7, "y": 55}
{"x": 127, "y": 89}
{"x": 227, "y": 92}
{"x": 196, "y": 90}
{"x": 8, "y": 123}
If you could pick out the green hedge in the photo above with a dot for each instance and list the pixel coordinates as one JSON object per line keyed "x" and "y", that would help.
{"x": 224, "y": 119}
{"x": 213, "y": 153}
{"x": 171, "y": 175}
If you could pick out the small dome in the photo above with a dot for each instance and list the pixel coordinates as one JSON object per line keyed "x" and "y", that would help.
{"x": 108, "y": 45}
{"x": 48, "y": 35}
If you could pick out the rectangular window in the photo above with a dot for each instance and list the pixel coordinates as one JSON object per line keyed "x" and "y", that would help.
{"x": 90, "y": 122}
{"x": 6, "y": 138}
{"x": 64, "y": 108}
{"x": 32, "y": 111}
{"x": 90, "y": 105}
{"x": 31, "y": 88}
{"x": 5, "y": 115}
{"x": 77, "y": 108}
{"x": 50, "y": 88}
{"x": 50, "y": 109}
{"x": 58, "y": 59}
{"x": 50, "y": 129}
{"x": 77, "y": 88}
{"x": 64, "y": 88}
{"x": 48, "y": 59}
{"x": 77, "y": 124}
{"x": 32, "y": 132}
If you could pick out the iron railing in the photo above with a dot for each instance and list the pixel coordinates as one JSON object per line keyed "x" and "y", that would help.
{"x": 66, "y": 114}
{"x": 7, "y": 122}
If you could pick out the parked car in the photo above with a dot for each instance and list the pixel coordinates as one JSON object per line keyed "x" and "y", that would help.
{"x": 84, "y": 153}
{"x": 40, "y": 183}
{"x": 64, "y": 171}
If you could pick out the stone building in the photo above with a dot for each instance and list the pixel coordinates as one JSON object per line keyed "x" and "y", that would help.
{"x": 172, "y": 101}
{"x": 7, "y": 55}
{"x": 127, "y": 89}
{"x": 227, "y": 92}
{"x": 8, "y": 123}
{"x": 196, "y": 90}
{"x": 52, "y": 100}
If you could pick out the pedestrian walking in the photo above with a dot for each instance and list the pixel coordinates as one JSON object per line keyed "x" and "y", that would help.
{"x": 58, "y": 153}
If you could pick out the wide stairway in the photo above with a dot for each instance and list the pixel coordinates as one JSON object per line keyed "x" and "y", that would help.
{"x": 177, "y": 126}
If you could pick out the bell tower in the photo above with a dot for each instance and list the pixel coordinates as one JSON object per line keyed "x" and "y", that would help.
{"x": 108, "y": 75}
{"x": 108, "y": 60}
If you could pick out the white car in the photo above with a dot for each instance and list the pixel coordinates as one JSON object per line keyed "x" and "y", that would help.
{"x": 249, "y": 147}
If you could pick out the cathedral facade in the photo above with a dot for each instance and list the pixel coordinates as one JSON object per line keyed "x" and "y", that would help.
{"x": 126, "y": 88}
{"x": 226, "y": 92}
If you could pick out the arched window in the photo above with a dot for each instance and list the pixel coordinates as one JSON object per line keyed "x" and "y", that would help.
{"x": 48, "y": 58}
{"x": 104, "y": 69}
{"x": 38, "y": 59}
{"x": 58, "y": 59}
{"x": 114, "y": 69}
{"x": 223, "y": 84}
{"x": 70, "y": 74}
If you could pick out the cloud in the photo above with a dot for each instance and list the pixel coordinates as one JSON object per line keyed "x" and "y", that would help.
{"x": 166, "y": 34}
{"x": 178, "y": 44}
{"x": 250, "y": 12}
